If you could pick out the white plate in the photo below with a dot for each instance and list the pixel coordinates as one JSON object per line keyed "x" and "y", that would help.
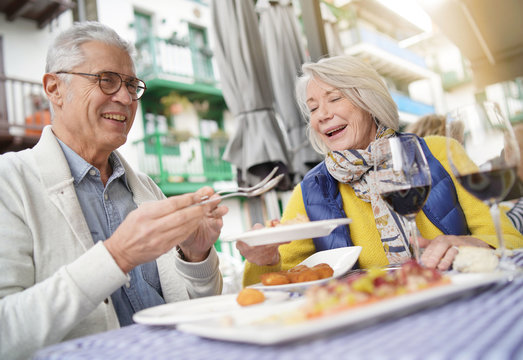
{"x": 340, "y": 260}
{"x": 199, "y": 309}
{"x": 284, "y": 233}
{"x": 260, "y": 327}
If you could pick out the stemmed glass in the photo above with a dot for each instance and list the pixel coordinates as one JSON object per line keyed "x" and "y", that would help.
{"x": 402, "y": 178}
{"x": 485, "y": 163}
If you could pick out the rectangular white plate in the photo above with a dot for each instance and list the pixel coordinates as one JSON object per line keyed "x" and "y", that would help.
{"x": 285, "y": 233}
{"x": 246, "y": 327}
{"x": 340, "y": 260}
{"x": 200, "y": 309}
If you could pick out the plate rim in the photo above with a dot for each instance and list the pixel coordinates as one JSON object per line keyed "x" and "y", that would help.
{"x": 267, "y": 231}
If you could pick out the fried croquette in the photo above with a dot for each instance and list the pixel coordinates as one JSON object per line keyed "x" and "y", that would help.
{"x": 250, "y": 296}
{"x": 274, "y": 278}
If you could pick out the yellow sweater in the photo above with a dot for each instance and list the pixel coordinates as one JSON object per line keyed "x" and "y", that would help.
{"x": 365, "y": 234}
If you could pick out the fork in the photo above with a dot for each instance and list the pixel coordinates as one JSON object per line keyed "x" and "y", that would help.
{"x": 254, "y": 187}
{"x": 269, "y": 185}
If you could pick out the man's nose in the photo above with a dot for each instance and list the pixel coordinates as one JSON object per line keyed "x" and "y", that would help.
{"x": 123, "y": 95}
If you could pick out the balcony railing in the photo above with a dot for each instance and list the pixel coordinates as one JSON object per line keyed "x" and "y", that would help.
{"x": 176, "y": 58}
{"x": 178, "y": 167}
{"x": 24, "y": 111}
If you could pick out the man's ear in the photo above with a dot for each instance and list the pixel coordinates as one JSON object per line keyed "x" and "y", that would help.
{"x": 52, "y": 90}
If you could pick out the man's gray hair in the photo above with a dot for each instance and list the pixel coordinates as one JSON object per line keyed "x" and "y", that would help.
{"x": 357, "y": 81}
{"x": 65, "y": 52}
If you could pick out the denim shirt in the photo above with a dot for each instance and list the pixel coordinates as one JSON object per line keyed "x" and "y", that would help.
{"x": 104, "y": 209}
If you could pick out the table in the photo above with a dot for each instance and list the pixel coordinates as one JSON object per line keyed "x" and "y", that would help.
{"x": 484, "y": 325}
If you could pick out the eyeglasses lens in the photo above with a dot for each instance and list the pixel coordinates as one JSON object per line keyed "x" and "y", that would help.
{"x": 110, "y": 83}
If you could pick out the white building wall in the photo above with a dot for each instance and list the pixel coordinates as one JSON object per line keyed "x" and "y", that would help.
{"x": 25, "y": 46}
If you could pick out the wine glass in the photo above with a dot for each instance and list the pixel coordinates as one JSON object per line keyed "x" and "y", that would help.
{"x": 485, "y": 163}
{"x": 402, "y": 179}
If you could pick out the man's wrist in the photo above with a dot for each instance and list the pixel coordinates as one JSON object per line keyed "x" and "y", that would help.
{"x": 189, "y": 257}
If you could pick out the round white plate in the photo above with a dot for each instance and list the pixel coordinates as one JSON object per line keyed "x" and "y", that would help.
{"x": 284, "y": 233}
{"x": 340, "y": 260}
{"x": 199, "y": 309}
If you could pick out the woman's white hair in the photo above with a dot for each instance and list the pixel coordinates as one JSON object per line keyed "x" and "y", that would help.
{"x": 65, "y": 52}
{"x": 357, "y": 81}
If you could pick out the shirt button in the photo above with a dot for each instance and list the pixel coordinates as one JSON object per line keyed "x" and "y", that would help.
{"x": 106, "y": 196}
{"x": 106, "y": 301}
{"x": 92, "y": 172}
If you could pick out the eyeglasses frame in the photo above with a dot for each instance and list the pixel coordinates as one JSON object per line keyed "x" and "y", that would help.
{"x": 99, "y": 76}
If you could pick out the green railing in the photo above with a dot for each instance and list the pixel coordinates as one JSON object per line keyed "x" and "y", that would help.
{"x": 158, "y": 57}
{"x": 179, "y": 167}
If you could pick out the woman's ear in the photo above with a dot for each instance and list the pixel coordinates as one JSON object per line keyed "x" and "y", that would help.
{"x": 52, "y": 90}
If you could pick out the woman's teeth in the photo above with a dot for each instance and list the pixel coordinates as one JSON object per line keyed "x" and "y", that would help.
{"x": 114, "y": 117}
{"x": 335, "y": 131}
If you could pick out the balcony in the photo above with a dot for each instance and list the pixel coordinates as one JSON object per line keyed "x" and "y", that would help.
{"x": 40, "y": 11}
{"x": 452, "y": 79}
{"x": 410, "y": 106}
{"x": 183, "y": 166}
{"x": 384, "y": 54}
{"x": 24, "y": 111}
{"x": 513, "y": 91}
{"x": 175, "y": 64}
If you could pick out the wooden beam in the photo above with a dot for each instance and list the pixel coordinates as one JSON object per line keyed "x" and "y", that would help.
{"x": 16, "y": 8}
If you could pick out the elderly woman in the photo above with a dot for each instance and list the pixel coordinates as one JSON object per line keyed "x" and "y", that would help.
{"x": 348, "y": 107}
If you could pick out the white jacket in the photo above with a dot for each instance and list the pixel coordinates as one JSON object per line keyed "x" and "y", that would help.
{"x": 53, "y": 279}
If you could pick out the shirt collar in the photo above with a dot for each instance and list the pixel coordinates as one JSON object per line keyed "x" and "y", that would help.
{"x": 80, "y": 168}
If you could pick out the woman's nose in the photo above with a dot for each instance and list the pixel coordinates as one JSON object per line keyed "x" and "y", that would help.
{"x": 324, "y": 113}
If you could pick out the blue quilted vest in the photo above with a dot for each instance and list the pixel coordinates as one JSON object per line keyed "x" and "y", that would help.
{"x": 323, "y": 201}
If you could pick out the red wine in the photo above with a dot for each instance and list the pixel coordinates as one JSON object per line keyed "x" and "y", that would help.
{"x": 489, "y": 185}
{"x": 407, "y": 201}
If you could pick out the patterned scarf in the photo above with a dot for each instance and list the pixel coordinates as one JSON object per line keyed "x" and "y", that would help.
{"x": 355, "y": 167}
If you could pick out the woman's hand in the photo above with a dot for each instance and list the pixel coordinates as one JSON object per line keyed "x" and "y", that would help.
{"x": 441, "y": 251}
{"x": 264, "y": 255}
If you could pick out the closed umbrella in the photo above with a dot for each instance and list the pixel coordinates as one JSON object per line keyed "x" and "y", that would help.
{"x": 285, "y": 53}
{"x": 259, "y": 143}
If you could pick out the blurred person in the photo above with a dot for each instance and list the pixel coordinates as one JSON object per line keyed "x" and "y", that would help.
{"x": 434, "y": 124}
{"x": 85, "y": 240}
{"x": 349, "y": 107}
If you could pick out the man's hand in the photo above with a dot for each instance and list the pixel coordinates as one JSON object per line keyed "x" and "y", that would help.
{"x": 441, "y": 251}
{"x": 197, "y": 246}
{"x": 154, "y": 228}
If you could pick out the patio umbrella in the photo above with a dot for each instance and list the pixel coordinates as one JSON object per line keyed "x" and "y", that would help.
{"x": 285, "y": 53}
{"x": 259, "y": 143}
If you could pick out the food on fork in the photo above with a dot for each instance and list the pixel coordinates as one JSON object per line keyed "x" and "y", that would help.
{"x": 299, "y": 219}
{"x": 250, "y": 296}
{"x": 298, "y": 274}
{"x": 371, "y": 286}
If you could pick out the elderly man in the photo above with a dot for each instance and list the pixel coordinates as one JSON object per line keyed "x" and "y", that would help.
{"x": 86, "y": 241}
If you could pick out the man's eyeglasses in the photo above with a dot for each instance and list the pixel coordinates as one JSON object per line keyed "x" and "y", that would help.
{"x": 111, "y": 82}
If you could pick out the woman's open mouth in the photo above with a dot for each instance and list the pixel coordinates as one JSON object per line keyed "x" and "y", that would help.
{"x": 335, "y": 131}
